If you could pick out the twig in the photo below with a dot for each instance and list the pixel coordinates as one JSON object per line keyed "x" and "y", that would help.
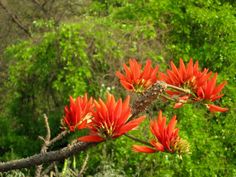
{"x": 57, "y": 138}
{"x": 179, "y": 89}
{"x": 48, "y": 143}
{"x": 84, "y": 165}
{"x": 41, "y": 6}
{"x": 174, "y": 99}
{"x": 51, "y": 166}
{"x": 137, "y": 139}
{"x": 36, "y": 2}
{"x": 45, "y": 145}
{"x": 168, "y": 98}
{"x": 56, "y": 170}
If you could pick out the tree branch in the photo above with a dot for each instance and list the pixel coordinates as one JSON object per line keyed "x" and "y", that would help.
{"x": 45, "y": 157}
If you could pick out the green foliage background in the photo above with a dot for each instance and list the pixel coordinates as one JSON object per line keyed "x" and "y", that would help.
{"x": 83, "y": 55}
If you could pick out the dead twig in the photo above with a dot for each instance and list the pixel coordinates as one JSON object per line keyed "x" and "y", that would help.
{"x": 45, "y": 145}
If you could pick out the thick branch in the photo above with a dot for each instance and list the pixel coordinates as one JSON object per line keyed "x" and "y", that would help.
{"x": 45, "y": 157}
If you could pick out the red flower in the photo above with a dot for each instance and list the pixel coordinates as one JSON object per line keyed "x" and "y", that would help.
{"x": 78, "y": 113}
{"x": 110, "y": 120}
{"x": 135, "y": 79}
{"x": 185, "y": 76}
{"x": 166, "y": 137}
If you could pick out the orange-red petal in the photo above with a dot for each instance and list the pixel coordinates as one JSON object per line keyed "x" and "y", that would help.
{"x": 178, "y": 105}
{"x": 157, "y": 145}
{"x": 214, "y": 108}
{"x": 90, "y": 139}
{"x": 144, "y": 149}
{"x": 130, "y": 125}
{"x": 171, "y": 125}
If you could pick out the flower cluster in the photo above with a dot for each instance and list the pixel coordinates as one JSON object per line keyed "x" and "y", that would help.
{"x": 106, "y": 120}
{"x": 200, "y": 85}
{"x": 111, "y": 119}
